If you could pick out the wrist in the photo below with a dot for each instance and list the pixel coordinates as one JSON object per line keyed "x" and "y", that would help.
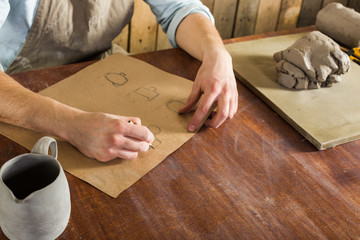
{"x": 52, "y": 117}
{"x": 216, "y": 53}
{"x": 65, "y": 121}
{"x": 213, "y": 47}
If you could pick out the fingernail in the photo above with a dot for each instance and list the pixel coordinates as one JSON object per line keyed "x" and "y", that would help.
{"x": 191, "y": 128}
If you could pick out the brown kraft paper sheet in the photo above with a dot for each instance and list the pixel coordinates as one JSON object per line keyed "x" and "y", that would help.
{"x": 128, "y": 87}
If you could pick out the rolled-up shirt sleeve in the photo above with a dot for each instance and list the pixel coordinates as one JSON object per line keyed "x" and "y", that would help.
{"x": 170, "y": 13}
{"x": 4, "y": 12}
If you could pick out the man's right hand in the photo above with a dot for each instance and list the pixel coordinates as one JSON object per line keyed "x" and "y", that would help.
{"x": 97, "y": 135}
{"x": 106, "y": 136}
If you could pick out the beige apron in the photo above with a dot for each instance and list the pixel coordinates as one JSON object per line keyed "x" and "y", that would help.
{"x": 68, "y": 31}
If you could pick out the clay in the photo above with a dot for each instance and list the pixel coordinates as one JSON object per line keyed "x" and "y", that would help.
{"x": 340, "y": 23}
{"x": 311, "y": 62}
{"x": 34, "y": 194}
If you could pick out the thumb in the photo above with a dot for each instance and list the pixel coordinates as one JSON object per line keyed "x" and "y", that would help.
{"x": 192, "y": 100}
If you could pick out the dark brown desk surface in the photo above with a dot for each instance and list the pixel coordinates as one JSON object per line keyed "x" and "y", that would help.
{"x": 255, "y": 177}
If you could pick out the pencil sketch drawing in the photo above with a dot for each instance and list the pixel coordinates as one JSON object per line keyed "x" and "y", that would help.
{"x": 156, "y": 143}
{"x": 155, "y": 130}
{"x": 175, "y": 105}
{"x": 116, "y": 79}
{"x": 149, "y": 93}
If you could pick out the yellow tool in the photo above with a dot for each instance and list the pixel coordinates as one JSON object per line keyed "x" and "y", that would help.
{"x": 354, "y": 54}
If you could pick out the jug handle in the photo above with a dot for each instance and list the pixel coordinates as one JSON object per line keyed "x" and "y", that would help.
{"x": 43, "y": 144}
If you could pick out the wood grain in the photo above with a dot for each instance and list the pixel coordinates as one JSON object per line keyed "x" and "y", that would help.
{"x": 209, "y": 4}
{"x": 267, "y": 16}
{"x": 233, "y": 18}
{"x": 123, "y": 38}
{"x": 224, "y": 14}
{"x": 289, "y": 14}
{"x": 246, "y": 18}
{"x": 309, "y": 10}
{"x": 254, "y": 177}
{"x": 143, "y": 29}
{"x": 162, "y": 41}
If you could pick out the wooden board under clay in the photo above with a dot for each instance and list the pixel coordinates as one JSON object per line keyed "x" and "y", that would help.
{"x": 326, "y": 117}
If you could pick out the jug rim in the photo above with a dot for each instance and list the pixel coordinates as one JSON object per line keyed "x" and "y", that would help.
{"x": 5, "y": 166}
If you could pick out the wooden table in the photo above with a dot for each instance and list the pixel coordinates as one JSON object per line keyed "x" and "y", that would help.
{"x": 254, "y": 177}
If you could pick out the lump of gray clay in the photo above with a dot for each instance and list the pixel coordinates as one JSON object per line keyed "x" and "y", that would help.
{"x": 340, "y": 23}
{"x": 313, "y": 61}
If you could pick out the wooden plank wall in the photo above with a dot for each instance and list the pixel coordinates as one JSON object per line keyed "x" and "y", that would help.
{"x": 233, "y": 18}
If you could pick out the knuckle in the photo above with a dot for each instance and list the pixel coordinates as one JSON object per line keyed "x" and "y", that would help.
{"x": 107, "y": 153}
{"x": 203, "y": 109}
{"x": 137, "y": 120}
{"x": 222, "y": 114}
{"x": 113, "y": 140}
{"x": 226, "y": 90}
{"x": 215, "y": 87}
{"x": 119, "y": 125}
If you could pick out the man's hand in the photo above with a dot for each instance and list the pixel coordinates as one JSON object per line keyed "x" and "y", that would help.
{"x": 215, "y": 79}
{"x": 216, "y": 82}
{"x": 97, "y": 135}
{"x": 105, "y": 136}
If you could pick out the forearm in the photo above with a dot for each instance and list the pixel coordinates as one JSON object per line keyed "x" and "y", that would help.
{"x": 97, "y": 135}
{"x": 199, "y": 37}
{"x": 22, "y": 107}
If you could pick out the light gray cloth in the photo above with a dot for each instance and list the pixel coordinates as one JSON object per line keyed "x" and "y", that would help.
{"x": 18, "y": 16}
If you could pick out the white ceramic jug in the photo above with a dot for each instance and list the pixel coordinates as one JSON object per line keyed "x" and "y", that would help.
{"x": 34, "y": 194}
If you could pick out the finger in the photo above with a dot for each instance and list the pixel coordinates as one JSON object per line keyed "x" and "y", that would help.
{"x": 235, "y": 100}
{"x": 135, "y": 120}
{"x": 138, "y": 132}
{"x": 222, "y": 113}
{"x": 124, "y": 153}
{"x": 192, "y": 100}
{"x": 233, "y": 106}
{"x": 131, "y": 144}
{"x": 236, "y": 106}
{"x": 201, "y": 111}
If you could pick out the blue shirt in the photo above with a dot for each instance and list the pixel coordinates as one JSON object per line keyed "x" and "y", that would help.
{"x": 17, "y": 17}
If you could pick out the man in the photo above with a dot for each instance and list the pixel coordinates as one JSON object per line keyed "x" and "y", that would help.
{"x": 41, "y": 33}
